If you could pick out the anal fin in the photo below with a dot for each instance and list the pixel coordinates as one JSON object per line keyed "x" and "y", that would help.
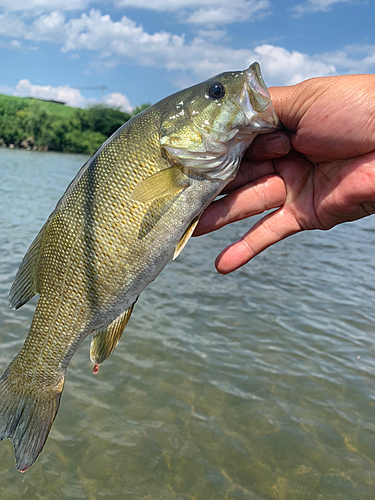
{"x": 105, "y": 341}
{"x": 186, "y": 237}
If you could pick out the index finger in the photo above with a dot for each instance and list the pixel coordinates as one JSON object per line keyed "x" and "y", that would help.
{"x": 254, "y": 198}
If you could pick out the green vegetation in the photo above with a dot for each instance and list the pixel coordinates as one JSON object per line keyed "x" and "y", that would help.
{"x": 37, "y": 124}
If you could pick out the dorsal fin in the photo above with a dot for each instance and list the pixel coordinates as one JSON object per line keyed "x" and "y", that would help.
{"x": 25, "y": 284}
{"x": 105, "y": 341}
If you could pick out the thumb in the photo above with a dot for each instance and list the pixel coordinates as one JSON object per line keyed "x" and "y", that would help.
{"x": 288, "y": 104}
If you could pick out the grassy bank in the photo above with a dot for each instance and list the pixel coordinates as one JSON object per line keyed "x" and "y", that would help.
{"x": 44, "y": 125}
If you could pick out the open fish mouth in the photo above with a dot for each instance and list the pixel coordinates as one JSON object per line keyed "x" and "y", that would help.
{"x": 255, "y": 101}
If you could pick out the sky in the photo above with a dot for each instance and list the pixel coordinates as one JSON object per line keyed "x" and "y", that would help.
{"x": 128, "y": 52}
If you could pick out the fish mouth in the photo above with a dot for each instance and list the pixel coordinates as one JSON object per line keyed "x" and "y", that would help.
{"x": 255, "y": 101}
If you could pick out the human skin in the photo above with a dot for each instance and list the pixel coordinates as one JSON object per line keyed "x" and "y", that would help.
{"x": 319, "y": 173}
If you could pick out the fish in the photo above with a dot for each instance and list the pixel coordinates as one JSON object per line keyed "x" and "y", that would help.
{"x": 131, "y": 208}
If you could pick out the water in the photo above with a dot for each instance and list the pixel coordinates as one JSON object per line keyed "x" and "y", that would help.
{"x": 259, "y": 385}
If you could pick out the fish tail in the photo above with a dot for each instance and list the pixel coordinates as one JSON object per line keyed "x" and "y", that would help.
{"x": 26, "y": 417}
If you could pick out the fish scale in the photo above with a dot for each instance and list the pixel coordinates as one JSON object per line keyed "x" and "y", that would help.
{"x": 133, "y": 205}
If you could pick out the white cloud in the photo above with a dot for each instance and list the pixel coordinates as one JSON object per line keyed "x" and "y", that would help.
{"x": 208, "y": 12}
{"x": 48, "y": 27}
{"x": 208, "y": 53}
{"x": 352, "y": 58}
{"x": 118, "y": 100}
{"x": 316, "y": 6}
{"x": 69, "y": 95}
{"x": 202, "y": 57}
{"x": 228, "y": 12}
{"x": 18, "y": 46}
{"x": 100, "y": 33}
{"x": 286, "y": 68}
{"x": 191, "y": 11}
{"x": 166, "y": 5}
{"x": 42, "y": 5}
{"x": 11, "y": 27}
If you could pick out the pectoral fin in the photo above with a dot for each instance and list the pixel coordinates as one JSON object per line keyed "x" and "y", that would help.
{"x": 187, "y": 234}
{"x": 168, "y": 182}
{"x": 105, "y": 341}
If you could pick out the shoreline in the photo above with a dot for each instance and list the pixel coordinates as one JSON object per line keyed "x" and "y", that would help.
{"x": 27, "y": 147}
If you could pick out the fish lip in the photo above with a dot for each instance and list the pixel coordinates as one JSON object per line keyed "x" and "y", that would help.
{"x": 255, "y": 79}
{"x": 255, "y": 101}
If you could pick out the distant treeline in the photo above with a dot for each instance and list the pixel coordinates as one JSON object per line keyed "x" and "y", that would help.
{"x": 36, "y": 124}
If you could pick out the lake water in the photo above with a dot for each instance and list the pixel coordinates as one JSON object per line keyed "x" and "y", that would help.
{"x": 259, "y": 385}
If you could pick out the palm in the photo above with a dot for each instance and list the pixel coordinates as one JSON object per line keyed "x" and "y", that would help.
{"x": 323, "y": 194}
{"x": 327, "y": 178}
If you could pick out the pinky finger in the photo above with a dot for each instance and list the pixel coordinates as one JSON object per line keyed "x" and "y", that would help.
{"x": 266, "y": 232}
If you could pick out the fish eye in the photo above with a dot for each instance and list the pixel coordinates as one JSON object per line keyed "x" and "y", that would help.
{"x": 216, "y": 91}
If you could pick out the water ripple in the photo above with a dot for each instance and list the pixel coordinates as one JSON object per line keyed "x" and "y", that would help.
{"x": 258, "y": 385}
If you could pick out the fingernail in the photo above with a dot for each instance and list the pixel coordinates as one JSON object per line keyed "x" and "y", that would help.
{"x": 278, "y": 146}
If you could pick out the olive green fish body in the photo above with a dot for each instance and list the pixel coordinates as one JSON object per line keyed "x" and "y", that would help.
{"x": 92, "y": 265}
{"x": 131, "y": 207}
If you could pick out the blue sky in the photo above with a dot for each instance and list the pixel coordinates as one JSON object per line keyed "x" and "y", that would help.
{"x": 143, "y": 50}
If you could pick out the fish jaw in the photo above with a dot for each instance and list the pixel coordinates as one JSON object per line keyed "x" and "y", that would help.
{"x": 256, "y": 104}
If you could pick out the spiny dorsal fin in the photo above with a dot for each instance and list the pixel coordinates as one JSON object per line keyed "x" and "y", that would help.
{"x": 25, "y": 284}
{"x": 186, "y": 237}
{"x": 168, "y": 182}
{"x": 105, "y": 341}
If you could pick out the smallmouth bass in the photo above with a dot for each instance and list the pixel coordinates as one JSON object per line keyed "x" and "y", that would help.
{"x": 131, "y": 207}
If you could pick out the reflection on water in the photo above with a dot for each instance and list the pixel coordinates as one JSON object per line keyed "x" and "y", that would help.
{"x": 259, "y": 385}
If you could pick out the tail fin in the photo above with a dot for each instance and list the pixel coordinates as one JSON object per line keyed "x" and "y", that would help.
{"x": 26, "y": 419}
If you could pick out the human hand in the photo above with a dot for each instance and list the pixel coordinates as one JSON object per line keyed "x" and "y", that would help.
{"x": 320, "y": 174}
